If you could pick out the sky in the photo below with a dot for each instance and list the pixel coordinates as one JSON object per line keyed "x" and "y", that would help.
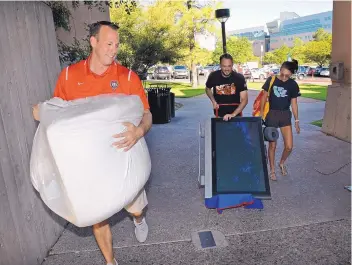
{"x": 252, "y": 13}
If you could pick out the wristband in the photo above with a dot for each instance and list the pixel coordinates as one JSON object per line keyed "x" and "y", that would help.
{"x": 296, "y": 120}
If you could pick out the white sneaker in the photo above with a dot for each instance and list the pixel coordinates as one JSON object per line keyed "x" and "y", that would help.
{"x": 115, "y": 263}
{"x": 141, "y": 230}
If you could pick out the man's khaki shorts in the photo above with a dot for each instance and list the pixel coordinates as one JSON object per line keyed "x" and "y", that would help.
{"x": 138, "y": 204}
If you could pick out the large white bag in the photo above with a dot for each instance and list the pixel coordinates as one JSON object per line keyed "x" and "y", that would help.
{"x": 79, "y": 174}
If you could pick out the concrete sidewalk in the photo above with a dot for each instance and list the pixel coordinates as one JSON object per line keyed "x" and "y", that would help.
{"x": 306, "y": 222}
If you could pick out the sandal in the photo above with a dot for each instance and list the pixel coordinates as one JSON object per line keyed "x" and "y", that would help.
{"x": 283, "y": 169}
{"x": 273, "y": 176}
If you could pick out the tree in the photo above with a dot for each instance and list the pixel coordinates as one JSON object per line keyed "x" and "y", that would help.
{"x": 278, "y": 56}
{"x": 319, "y": 50}
{"x": 298, "y": 51}
{"x": 281, "y": 54}
{"x": 240, "y": 49}
{"x": 269, "y": 58}
{"x": 80, "y": 49}
{"x": 200, "y": 56}
{"x": 322, "y": 35}
{"x": 147, "y": 36}
{"x": 194, "y": 18}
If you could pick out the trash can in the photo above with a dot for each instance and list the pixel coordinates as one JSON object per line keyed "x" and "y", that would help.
{"x": 172, "y": 104}
{"x": 159, "y": 102}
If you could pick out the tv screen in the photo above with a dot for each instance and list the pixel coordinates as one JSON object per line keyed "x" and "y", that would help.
{"x": 239, "y": 161}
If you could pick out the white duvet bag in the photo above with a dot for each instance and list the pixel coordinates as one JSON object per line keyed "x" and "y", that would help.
{"x": 79, "y": 174}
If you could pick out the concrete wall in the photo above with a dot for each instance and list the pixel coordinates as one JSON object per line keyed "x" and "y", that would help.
{"x": 80, "y": 17}
{"x": 28, "y": 71}
{"x": 337, "y": 117}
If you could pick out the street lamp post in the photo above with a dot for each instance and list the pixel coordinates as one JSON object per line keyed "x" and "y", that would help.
{"x": 222, "y": 15}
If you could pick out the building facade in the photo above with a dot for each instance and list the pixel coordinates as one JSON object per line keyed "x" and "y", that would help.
{"x": 301, "y": 27}
{"x": 284, "y": 30}
{"x": 258, "y": 36}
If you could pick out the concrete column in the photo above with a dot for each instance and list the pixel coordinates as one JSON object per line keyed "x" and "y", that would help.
{"x": 337, "y": 117}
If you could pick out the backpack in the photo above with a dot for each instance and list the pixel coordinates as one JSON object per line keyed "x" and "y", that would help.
{"x": 256, "y": 104}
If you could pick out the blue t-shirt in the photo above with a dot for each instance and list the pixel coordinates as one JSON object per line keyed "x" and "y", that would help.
{"x": 281, "y": 93}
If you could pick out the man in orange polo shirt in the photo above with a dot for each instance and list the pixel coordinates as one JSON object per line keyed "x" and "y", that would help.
{"x": 100, "y": 74}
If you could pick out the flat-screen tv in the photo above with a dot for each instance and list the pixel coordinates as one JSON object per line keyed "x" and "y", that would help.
{"x": 239, "y": 158}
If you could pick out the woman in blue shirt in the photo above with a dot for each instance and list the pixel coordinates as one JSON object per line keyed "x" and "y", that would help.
{"x": 283, "y": 95}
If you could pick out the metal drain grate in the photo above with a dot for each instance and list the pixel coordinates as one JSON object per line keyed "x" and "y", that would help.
{"x": 208, "y": 239}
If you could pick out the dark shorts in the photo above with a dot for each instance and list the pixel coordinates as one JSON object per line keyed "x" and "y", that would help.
{"x": 278, "y": 118}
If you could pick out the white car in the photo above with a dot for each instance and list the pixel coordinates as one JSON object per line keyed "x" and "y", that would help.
{"x": 325, "y": 72}
{"x": 258, "y": 74}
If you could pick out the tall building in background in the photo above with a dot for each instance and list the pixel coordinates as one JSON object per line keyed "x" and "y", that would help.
{"x": 274, "y": 26}
{"x": 301, "y": 27}
{"x": 284, "y": 30}
{"x": 258, "y": 36}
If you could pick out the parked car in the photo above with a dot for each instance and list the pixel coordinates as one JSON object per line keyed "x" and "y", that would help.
{"x": 257, "y": 73}
{"x": 301, "y": 72}
{"x": 151, "y": 73}
{"x": 205, "y": 70}
{"x": 317, "y": 71}
{"x": 304, "y": 68}
{"x": 216, "y": 68}
{"x": 311, "y": 71}
{"x": 325, "y": 72}
{"x": 171, "y": 69}
{"x": 247, "y": 73}
{"x": 210, "y": 68}
{"x": 274, "y": 71}
{"x": 162, "y": 72}
{"x": 180, "y": 71}
{"x": 201, "y": 70}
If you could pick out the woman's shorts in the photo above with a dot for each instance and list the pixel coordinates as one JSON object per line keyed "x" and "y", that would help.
{"x": 278, "y": 118}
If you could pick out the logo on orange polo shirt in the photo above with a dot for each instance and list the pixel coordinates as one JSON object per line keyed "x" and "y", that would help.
{"x": 114, "y": 84}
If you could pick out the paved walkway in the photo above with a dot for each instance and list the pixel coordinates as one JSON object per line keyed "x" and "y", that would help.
{"x": 306, "y": 222}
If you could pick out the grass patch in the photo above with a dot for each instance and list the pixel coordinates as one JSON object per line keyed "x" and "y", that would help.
{"x": 188, "y": 93}
{"x": 255, "y": 85}
{"x": 307, "y": 90}
{"x": 181, "y": 90}
{"x": 318, "y": 123}
{"x": 314, "y": 91}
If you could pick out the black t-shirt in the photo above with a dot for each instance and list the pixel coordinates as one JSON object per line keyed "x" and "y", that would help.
{"x": 281, "y": 93}
{"x": 226, "y": 90}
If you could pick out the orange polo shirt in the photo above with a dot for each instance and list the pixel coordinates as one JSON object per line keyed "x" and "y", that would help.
{"x": 78, "y": 81}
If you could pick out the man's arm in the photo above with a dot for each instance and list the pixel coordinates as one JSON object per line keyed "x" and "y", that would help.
{"x": 35, "y": 111}
{"x": 243, "y": 104}
{"x": 133, "y": 133}
{"x": 211, "y": 97}
{"x": 145, "y": 124}
{"x": 59, "y": 92}
{"x": 208, "y": 85}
